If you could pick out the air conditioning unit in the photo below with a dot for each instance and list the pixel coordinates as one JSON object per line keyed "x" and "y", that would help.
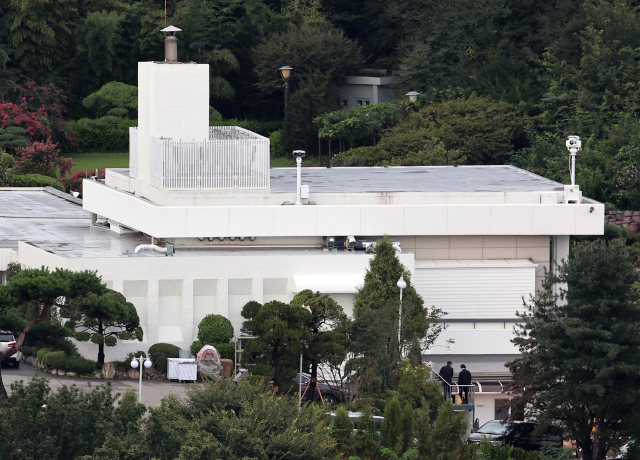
{"x": 572, "y": 194}
{"x": 548, "y": 198}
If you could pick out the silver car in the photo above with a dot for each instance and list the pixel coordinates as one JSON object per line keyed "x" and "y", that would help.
{"x": 7, "y": 341}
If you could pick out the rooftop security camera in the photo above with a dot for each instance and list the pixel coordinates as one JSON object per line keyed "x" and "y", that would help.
{"x": 298, "y": 153}
{"x": 573, "y": 144}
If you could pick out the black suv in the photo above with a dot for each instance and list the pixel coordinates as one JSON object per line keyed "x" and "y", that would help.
{"x": 516, "y": 434}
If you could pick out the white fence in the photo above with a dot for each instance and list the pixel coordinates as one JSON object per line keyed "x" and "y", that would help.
{"x": 232, "y": 159}
{"x": 133, "y": 152}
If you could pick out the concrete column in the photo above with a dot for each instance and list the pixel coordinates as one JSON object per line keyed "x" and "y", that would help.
{"x": 374, "y": 99}
{"x": 187, "y": 311}
{"x": 153, "y": 294}
{"x": 118, "y": 286}
{"x": 222, "y": 297}
{"x": 257, "y": 290}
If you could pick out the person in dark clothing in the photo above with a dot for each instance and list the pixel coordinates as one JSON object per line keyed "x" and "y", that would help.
{"x": 464, "y": 379}
{"x": 446, "y": 377}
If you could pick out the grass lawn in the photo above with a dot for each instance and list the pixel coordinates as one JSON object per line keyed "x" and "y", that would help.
{"x": 121, "y": 160}
{"x": 100, "y": 160}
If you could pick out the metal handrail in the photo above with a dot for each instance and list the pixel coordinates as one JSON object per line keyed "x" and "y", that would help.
{"x": 472, "y": 392}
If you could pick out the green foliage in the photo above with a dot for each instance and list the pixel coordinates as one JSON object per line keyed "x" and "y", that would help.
{"x": 215, "y": 329}
{"x": 277, "y": 149}
{"x": 367, "y": 437}
{"x": 279, "y": 327}
{"x": 42, "y": 353}
{"x": 80, "y": 365}
{"x": 361, "y": 123}
{"x": 54, "y": 360}
{"x": 446, "y": 440}
{"x": 214, "y": 116}
{"x": 359, "y": 156}
{"x": 474, "y": 130}
{"x": 35, "y": 180}
{"x": 342, "y": 432}
{"x": 106, "y": 134}
{"x": 195, "y": 347}
{"x": 11, "y": 138}
{"x": 408, "y": 428}
{"x": 13, "y": 268}
{"x": 160, "y": 352}
{"x": 317, "y": 94}
{"x": 415, "y": 389}
{"x": 114, "y": 98}
{"x": 392, "y": 427}
{"x": 579, "y": 343}
{"x": 104, "y": 319}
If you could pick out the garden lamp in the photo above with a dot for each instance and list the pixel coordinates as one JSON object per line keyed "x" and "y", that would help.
{"x": 140, "y": 361}
{"x": 413, "y": 95}
{"x": 285, "y": 73}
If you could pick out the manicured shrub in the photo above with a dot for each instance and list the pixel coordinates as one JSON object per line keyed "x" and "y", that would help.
{"x": 196, "y": 346}
{"x": 160, "y": 352}
{"x": 359, "y": 156}
{"x": 35, "y": 180}
{"x": 215, "y": 329}
{"x": 226, "y": 350}
{"x": 54, "y": 360}
{"x": 101, "y": 136}
{"x": 6, "y": 165}
{"x": 41, "y": 353}
{"x": 80, "y": 365}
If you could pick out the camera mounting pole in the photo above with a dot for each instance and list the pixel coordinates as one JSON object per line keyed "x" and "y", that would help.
{"x": 298, "y": 155}
{"x": 573, "y": 145}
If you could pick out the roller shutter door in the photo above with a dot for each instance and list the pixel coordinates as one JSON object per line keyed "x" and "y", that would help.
{"x": 476, "y": 289}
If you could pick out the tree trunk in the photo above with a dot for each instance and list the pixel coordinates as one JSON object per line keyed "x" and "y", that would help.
{"x": 599, "y": 450}
{"x": 3, "y": 390}
{"x": 100, "y": 346}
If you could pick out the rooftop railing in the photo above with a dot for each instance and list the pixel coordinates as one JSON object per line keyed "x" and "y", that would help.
{"x": 232, "y": 159}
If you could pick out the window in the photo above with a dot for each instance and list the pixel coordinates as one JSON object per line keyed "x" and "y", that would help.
{"x": 6, "y": 338}
{"x": 364, "y": 102}
{"x": 344, "y": 103}
{"x": 501, "y": 409}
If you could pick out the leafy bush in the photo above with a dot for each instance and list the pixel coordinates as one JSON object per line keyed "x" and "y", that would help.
{"x": 6, "y": 165}
{"x": 73, "y": 183}
{"x": 160, "y": 352}
{"x": 226, "y": 350}
{"x": 43, "y": 158}
{"x": 41, "y": 353}
{"x": 106, "y": 134}
{"x": 215, "y": 329}
{"x": 114, "y": 98}
{"x": 360, "y": 156}
{"x": 28, "y": 351}
{"x": 54, "y": 360}
{"x": 277, "y": 148}
{"x": 35, "y": 180}
{"x": 80, "y": 365}
{"x": 195, "y": 347}
{"x": 361, "y": 123}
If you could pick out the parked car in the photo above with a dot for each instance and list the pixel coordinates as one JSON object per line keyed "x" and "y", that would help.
{"x": 330, "y": 394}
{"x": 355, "y": 418}
{"x": 7, "y": 341}
{"x": 516, "y": 434}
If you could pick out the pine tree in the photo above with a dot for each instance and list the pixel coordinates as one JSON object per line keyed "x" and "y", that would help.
{"x": 392, "y": 427}
{"x": 342, "y": 432}
{"x": 580, "y": 364}
{"x": 446, "y": 439}
{"x": 408, "y": 427}
{"x": 367, "y": 437}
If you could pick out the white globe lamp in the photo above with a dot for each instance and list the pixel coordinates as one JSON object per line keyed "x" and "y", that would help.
{"x": 134, "y": 364}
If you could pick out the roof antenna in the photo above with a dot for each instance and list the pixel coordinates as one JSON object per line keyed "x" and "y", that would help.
{"x": 165, "y": 13}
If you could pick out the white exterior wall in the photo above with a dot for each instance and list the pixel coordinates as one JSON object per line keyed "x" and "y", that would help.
{"x": 172, "y": 294}
{"x": 173, "y": 101}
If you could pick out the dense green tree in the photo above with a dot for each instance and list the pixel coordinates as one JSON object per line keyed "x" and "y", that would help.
{"x": 114, "y": 98}
{"x": 579, "y": 341}
{"x": 103, "y": 320}
{"x": 446, "y": 440}
{"x": 47, "y": 292}
{"x": 392, "y": 429}
{"x": 408, "y": 428}
{"x": 342, "y": 432}
{"x": 367, "y": 436}
{"x": 279, "y": 328}
{"x": 326, "y": 339}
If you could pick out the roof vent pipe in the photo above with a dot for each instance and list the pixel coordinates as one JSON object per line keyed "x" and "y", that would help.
{"x": 168, "y": 250}
{"x": 170, "y": 44}
{"x": 298, "y": 155}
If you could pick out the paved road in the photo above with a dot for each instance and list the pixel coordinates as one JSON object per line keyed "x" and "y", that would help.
{"x": 152, "y": 390}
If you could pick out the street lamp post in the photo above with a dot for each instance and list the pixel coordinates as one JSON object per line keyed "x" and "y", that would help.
{"x": 285, "y": 73}
{"x": 402, "y": 284}
{"x": 413, "y": 95}
{"x": 139, "y": 362}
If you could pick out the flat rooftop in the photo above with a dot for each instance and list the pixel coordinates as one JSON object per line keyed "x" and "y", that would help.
{"x": 60, "y": 226}
{"x": 413, "y": 179}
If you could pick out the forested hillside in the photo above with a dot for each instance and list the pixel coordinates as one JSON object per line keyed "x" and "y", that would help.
{"x": 500, "y": 81}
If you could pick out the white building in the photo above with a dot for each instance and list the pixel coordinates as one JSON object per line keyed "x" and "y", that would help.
{"x": 476, "y": 239}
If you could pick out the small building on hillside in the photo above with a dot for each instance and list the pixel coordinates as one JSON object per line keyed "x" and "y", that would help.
{"x": 367, "y": 87}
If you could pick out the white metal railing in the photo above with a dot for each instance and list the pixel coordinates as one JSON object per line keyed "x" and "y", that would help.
{"x": 232, "y": 158}
{"x": 133, "y": 152}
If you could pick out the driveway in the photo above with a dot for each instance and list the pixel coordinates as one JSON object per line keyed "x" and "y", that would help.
{"x": 152, "y": 390}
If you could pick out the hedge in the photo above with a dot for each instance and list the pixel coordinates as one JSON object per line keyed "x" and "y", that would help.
{"x": 35, "y": 180}
{"x": 54, "y": 360}
{"x": 104, "y": 140}
{"x": 80, "y": 365}
{"x": 160, "y": 352}
{"x": 41, "y": 353}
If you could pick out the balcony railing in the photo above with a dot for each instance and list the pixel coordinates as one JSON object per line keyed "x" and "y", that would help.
{"x": 133, "y": 152}
{"x": 232, "y": 159}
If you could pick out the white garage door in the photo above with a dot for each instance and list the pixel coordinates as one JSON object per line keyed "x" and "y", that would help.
{"x": 475, "y": 289}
